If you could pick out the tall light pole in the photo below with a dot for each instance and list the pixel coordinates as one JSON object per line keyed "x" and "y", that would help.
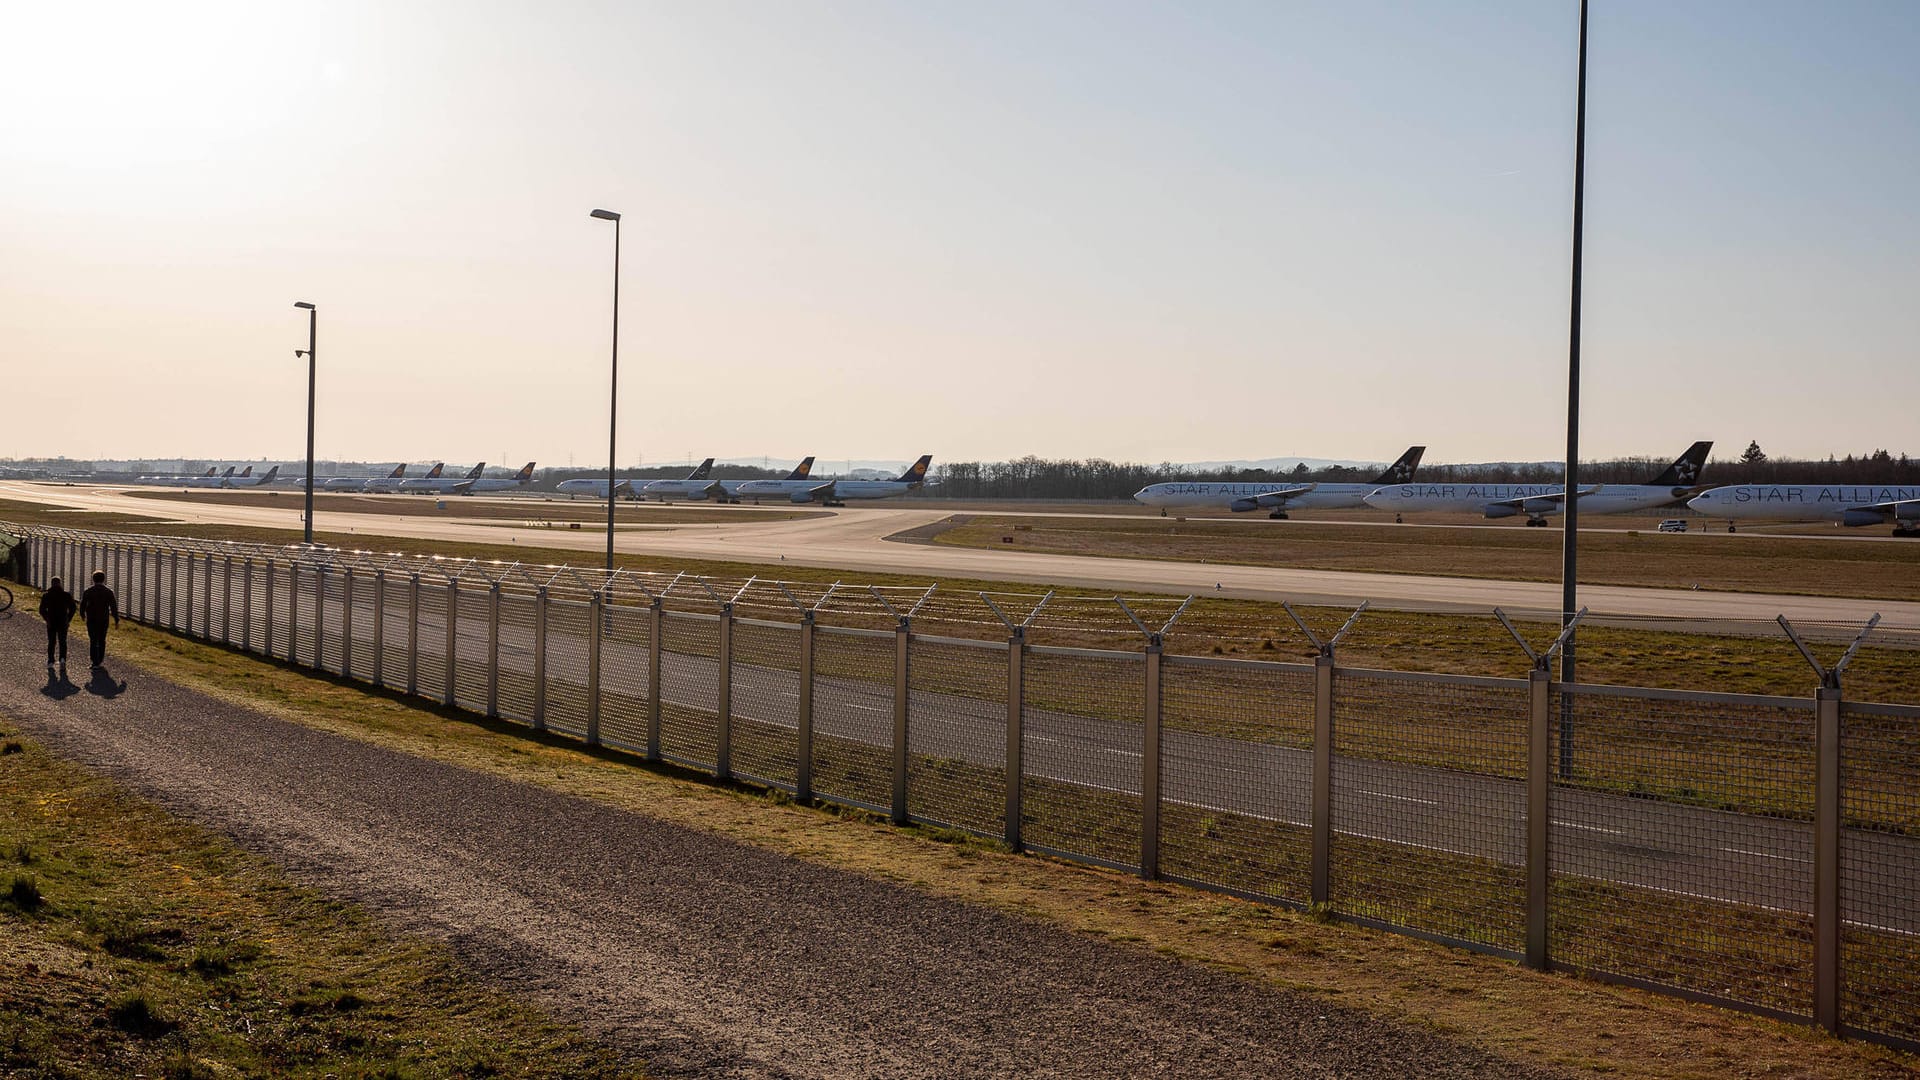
{"x": 1570, "y": 547}
{"x": 313, "y": 329}
{"x": 613, "y": 394}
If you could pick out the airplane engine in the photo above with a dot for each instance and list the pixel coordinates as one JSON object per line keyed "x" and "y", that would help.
{"x": 1907, "y": 512}
{"x": 1241, "y": 506}
{"x": 802, "y": 496}
{"x": 1854, "y": 519}
{"x": 1499, "y": 510}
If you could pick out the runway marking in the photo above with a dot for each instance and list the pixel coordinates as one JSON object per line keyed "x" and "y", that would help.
{"x": 1396, "y": 798}
{"x": 1766, "y": 855}
{"x": 1589, "y": 828}
{"x": 1122, "y": 753}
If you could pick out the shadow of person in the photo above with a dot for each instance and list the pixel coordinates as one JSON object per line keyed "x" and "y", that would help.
{"x": 103, "y": 685}
{"x": 58, "y": 685}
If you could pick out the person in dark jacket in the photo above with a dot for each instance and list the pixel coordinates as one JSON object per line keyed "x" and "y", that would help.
{"x": 57, "y": 607}
{"x": 96, "y": 604}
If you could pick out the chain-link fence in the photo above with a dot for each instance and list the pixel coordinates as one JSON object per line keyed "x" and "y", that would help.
{"x": 1761, "y": 852}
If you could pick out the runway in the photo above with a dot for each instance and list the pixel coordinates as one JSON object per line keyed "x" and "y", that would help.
{"x": 855, "y": 539}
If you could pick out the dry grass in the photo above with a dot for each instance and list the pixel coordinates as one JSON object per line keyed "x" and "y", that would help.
{"x": 1491, "y": 1003}
{"x": 1773, "y": 564}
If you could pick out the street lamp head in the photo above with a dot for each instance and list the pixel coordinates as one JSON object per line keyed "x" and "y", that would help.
{"x": 303, "y": 304}
{"x": 605, "y": 215}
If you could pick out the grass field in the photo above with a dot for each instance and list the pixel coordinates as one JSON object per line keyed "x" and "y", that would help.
{"x": 133, "y": 943}
{"x": 1549, "y": 1019}
{"x": 1774, "y": 564}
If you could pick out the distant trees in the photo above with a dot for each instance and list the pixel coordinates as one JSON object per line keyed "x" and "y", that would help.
{"x": 1753, "y": 455}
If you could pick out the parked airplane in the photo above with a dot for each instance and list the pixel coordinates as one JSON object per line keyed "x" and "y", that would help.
{"x": 596, "y": 488}
{"x": 212, "y": 481}
{"x": 435, "y": 484}
{"x": 1277, "y": 496}
{"x": 497, "y": 483}
{"x": 1853, "y": 505}
{"x": 1538, "y": 500}
{"x": 389, "y": 482}
{"x": 247, "y": 479}
{"x": 183, "y": 481}
{"x": 836, "y": 492}
{"x": 697, "y": 486}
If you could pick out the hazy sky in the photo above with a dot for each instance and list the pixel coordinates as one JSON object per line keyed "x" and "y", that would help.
{"x": 870, "y": 230}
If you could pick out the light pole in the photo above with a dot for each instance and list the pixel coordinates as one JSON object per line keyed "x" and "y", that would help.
{"x": 613, "y": 394}
{"x": 1570, "y": 549}
{"x": 313, "y": 329}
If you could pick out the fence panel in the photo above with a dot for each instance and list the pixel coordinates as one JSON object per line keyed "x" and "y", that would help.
{"x": 256, "y": 635}
{"x": 1880, "y": 871}
{"x": 1682, "y": 843}
{"x": 623, "y": 675}
{"x": 568, "y": 624}
{"x": 957, "y": 734}
{"x": 1429, "y": 805}
{"x": 366, "y": 612}
{"x": 431, "y": 664}
{"x": 1236, "y": 776}
{"x": 303, "y": 633}
{"x": 331, "y": 583}
{"x": 690, "y": 687}
{"x": 470, "y": 647}
{"x": 766, "y": 702}
{"x": 516, "y": 656}
{"x": 853, "y": 717}
{"x": 1080, "y": 750}
{"x": 215, "y": 583}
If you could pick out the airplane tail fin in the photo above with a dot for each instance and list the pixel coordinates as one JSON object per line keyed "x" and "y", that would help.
{"x": 701, "y": 472}
{"x": 802, "y": 470}
{"x": 228, "y": 473}
{"x": 209, "y": 471}
{"x": 477, "y": 470}
{"x": 1685, "y": 471}
{"x": 271, "y": 473}
{"x": 434, "y": 473}
{"x": 398, "y": 472}
{"x": 917, "y": 472}
{"x": 525, "y": 474}
{"x": 1401, "y": 471}
{"x": 246, "y": 472}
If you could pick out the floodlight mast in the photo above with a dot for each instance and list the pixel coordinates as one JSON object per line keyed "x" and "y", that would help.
{"x": 313, "y": 330}
{"x": 613, "y": 392}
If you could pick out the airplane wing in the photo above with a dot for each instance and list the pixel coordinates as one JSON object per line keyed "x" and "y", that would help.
{"x": 1550, "y": 497}
{"x": 464, "y": 487}
{"x": 1276, "y": 497}
{"x": 1899, "y": 509}
{"x": 823, "y": 492}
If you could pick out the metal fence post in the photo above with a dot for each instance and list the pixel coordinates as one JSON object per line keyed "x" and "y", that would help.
{"x": 1322, "y": 885}
{"x": 656, "y": 622}
{"x": 453, "y": 640}
{"x": 902, "y": 643}
{"x": 380, "y": 627}
{"x": 413, "y": 634}
{"x": 493, "y": 651}
{"x": 540, "y": 659}
{"x": 803, "y": 750}
{"x": 1539, "y": 809}
{"x": 723, "y": 699}
{"x": 1826, "y": 859}
{"x": 1016, "y": 695}
{"x": 1150, "y": 765}
{"x": 593, "y": 670}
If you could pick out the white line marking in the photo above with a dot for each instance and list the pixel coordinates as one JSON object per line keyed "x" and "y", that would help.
{"x": 1396, "y": 798}
{"x": 1589, "y": 828}
{"x": 1766, "y": 855}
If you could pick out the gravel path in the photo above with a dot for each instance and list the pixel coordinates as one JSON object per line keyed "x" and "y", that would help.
{"x": 699, "y": 956}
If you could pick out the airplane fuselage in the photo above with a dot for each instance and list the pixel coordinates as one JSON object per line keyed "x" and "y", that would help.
{"x": 1845, "y": 503}
{"x": 1533, "y": 500}
{"x": 1199, "y": 494}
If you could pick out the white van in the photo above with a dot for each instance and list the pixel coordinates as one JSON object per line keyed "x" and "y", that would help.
{"x": 1674, "y": 525}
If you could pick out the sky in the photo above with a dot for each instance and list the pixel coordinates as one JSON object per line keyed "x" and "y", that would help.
{"x": 1077, "y": 228}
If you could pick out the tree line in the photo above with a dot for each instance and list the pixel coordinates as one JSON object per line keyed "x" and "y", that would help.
{"x": 1097, "y": 478}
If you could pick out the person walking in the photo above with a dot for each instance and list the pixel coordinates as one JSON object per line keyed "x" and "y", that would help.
{"x": 96, "y": 604}
{"x": 57, "y": 608}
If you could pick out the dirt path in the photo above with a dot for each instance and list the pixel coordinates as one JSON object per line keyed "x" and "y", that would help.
{"x": 698, "y": 955}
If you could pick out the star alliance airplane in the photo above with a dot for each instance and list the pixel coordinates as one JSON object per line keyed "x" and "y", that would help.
{"x": 1276, "y": 496}
{"x": 1538, "y": 500}
{"x": 1853, "y": 505}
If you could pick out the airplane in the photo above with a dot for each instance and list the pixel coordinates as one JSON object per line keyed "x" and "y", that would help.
{"x": 210, "y": 480}
{"x": 247, "y": 479}
{"x": 1852, "y": 505}
{"x": 836, "y": 492}
{"x": 596, "y": 488}
{"x": 697, "y": 486}
{"x": 388, "y": 482}
{"x": 1276, "y": 496}
{"x": 435, "y": 484}
{"x": 1536, "y": 501}
{"x": 184, "y": 481}
{"x": 507, "y": 483}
